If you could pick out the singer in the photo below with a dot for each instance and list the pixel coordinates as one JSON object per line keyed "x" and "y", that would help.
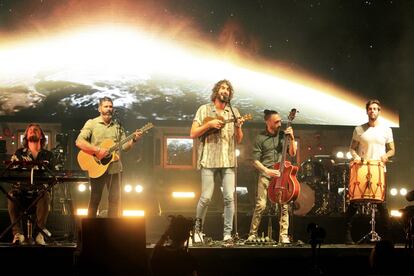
{"x": 33, "y": 151}
{"x": 216, "y": 153}
{"x": 90, "y": 137}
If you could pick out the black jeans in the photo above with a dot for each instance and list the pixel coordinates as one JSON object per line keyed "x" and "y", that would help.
{"x": 111, "y": 181}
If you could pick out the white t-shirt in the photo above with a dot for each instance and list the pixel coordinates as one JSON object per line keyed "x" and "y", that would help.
{"x": 372, "y": 140}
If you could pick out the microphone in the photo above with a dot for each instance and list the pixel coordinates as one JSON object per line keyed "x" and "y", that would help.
{"x": 225, "y": 99}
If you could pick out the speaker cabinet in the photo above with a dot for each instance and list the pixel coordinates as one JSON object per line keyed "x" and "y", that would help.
{"x": 112, "y": 246}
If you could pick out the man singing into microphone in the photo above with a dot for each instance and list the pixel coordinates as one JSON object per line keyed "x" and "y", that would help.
{"x": 216, "y": 153}
{"x": 90, "y": 137}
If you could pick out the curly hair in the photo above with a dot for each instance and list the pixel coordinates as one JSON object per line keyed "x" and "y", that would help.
{"x": 216, "y": 89}
{"x": 42, "y": 139}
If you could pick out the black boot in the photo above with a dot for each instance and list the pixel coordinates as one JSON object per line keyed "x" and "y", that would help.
{"x": 348, "y": 236}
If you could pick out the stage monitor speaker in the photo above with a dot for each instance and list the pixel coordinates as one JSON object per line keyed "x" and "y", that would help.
{"x": 112, "y": 246}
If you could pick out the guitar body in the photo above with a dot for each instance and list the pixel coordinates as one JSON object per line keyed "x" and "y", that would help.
{"x": 221, "y": 118}
{"x": 96, "y": 167}
{"x": 93, "y": 165}
{"x": 285, "y": 188}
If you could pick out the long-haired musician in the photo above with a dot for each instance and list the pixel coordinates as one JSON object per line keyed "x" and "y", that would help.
{"x": 216, "y": 152}
{"x": 33, "y": 150}
{"x": 372, "y": 141}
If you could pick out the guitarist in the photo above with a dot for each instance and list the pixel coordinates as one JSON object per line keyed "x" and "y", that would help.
{"x": 216, "y": 153}
{"x": 267, "y": 150}
{"x": 90, "y": 137}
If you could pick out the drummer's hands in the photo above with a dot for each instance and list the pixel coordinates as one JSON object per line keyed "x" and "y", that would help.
{"x": 272, "y": 173}
{"x": 357, "y": 159}
{"x": 289, "y": 131}
{"x": 384, "y": 158}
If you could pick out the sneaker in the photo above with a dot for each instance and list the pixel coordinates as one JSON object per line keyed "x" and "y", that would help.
{"x": 40, "y": 239}
{"x": 227, "y": 238}
{"x": 251, "y": 238}
{"x": 284, "y": 239}
{"x": 18, "y": 238}
{"x": 198, "y": 237}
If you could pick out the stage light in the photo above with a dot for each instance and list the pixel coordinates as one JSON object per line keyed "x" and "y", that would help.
{"x": 395, "y": 213}
{"x": 183, "y": 194}
{"x": 339, "y": 154}
{"x": 348, "y": 155}
{"x": 133, "y": 213}
{"x": 127, "y": 188}
{"x": 81, "y": 188}
{"x": 393, "y": 191}
{"x": 81, "y": 212}
{"x": 237, "y": 152}
{"x": 403, "y": 191}
{"x": 139, "y": 188}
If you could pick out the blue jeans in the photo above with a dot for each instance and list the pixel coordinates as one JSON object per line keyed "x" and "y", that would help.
{"x": 207, "y": 188}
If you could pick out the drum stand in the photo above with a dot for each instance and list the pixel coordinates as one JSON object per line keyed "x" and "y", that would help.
{"x": 374, "y": 235}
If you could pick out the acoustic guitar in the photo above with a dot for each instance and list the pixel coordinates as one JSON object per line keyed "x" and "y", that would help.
{"x": 286, "y": 187}
{"x": 246, "y": 117}
{"x": 96, "y": 167}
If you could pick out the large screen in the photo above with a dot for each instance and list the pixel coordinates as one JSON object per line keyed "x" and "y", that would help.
{"x": 277, "y": 56}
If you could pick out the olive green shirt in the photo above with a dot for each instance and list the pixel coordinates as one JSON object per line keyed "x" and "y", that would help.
{"x": 95, "y": 131}
{"x": 216, "y": 149}
{"x": 267, "y": 148}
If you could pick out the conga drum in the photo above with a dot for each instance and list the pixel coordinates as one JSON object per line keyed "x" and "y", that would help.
{"x": 367, "y": 182}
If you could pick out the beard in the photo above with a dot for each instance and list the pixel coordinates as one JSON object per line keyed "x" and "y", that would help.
{"x": 107, "y": 113}
{"x": 33, "y": 139}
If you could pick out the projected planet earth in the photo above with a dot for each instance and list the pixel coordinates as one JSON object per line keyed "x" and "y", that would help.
{"x": 155, "y": 98}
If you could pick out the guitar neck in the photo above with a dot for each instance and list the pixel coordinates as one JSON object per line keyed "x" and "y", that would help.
{"x": 117, "y": 146}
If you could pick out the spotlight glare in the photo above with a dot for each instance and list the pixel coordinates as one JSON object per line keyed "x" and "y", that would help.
{"x": 183, "y": 194}
{"x": 128, "y": 188}
{"x": 133, "y": 213}
{"x": 403, "y": 191}
{"x": 81, "y": 188}
{"x": 393, "y": 191}
{"x": 340, "y": 154}
{"x": 81, "y": 212}
{"x": 139, "y": 188}
{"x": 395, "y": 213}
{"x": 237, "y": 152}
{"x": 348, "y": 155}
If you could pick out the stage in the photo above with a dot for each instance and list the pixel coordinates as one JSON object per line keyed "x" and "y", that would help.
{"x": 122, "y": 249}
{"x": 219, "y": 259}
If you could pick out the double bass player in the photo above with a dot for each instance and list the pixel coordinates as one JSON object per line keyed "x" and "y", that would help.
{"x": 267, "y": 151}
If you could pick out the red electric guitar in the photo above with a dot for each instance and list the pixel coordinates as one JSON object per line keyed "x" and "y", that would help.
{"x": 286, "y": 187}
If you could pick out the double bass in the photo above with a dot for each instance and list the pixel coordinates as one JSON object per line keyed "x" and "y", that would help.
{"x": 286, "y": 187}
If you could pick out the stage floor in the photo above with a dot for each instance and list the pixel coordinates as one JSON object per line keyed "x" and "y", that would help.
{"x": 218, "y": 258}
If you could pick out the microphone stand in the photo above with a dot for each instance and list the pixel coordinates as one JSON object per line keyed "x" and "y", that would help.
{"x": 119, "y": 139}
{"x": 236, "y": 235}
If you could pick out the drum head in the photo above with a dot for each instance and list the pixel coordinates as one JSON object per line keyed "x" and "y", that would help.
{"x": 305, "y": 201}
